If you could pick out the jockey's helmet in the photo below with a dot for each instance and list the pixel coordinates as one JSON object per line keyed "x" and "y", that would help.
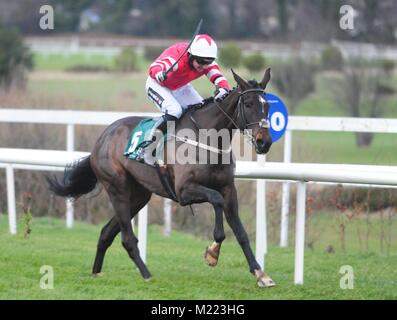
{"x": 203, "y": 46}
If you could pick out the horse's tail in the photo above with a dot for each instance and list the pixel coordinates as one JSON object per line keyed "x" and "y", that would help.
{"x": 78, "y": 179}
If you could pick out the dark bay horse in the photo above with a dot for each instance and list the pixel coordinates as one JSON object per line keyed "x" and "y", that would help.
{"x": 130, "y": 184}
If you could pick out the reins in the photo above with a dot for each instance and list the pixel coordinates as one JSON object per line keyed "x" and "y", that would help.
{"x": 240, "y": 110}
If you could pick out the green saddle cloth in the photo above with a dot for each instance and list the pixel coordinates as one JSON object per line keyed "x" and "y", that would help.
{"x": 139, "y": 138}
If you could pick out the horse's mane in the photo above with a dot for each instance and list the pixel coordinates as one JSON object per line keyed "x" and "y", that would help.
{"x": 209, "y": 100}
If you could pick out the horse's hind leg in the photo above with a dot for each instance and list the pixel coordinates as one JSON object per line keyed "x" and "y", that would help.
{"x": 112, "y": 229}
{"x": 120, "y": 193}
{"x": 108, "y": 233}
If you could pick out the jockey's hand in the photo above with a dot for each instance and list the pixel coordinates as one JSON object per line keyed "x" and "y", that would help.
{"x": 160, "y": 76}
{"x": 220, "y": 94}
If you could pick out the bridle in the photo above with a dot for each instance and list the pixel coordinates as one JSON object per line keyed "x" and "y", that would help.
{"x": 241, "y": 122}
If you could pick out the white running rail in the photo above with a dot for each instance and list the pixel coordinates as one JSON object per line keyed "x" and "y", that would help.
{"x": 301, "y": 173}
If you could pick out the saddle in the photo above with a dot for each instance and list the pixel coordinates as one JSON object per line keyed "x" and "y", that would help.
{"x": 138, "y": 139}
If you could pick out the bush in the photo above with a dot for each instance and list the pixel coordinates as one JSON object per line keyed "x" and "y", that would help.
{"x": 388, "y": 66}
{"x": 152, "y": 52}
{"x": 332, "y": 59}
{"x": 230, "y": 55}
{"x": 349, "y": 197}
{"x": 127, "y": 60}
{"x": 15, "y": 59}
{"x": 254, "y": 62}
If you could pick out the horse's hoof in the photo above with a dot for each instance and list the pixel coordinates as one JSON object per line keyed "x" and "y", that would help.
{"x": 263, "y": 280}
{"x": 98, "y": 275}
{"x": 211, "y": 254}
{"x": 209, "y": 259}
{"x": 147, "y": 279}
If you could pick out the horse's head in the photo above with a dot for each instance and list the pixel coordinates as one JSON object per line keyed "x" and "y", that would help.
{"x": 253, "y": 109}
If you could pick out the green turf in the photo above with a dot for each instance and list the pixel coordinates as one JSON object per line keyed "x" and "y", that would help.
{"x": 340, "y": 147}
{"x": 112, "y": 92}
{"x": 63, "y": 62}
{"x": 177, "y": 267}
{"x": 60, "y": 62}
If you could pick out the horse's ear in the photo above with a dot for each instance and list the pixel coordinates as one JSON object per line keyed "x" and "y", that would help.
{"x": 240, "y": 81}
{"x": 266, "y": 79}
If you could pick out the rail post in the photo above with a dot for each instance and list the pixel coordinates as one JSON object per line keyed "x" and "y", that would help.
{"x": 300, "y": 232}
{"x": 285, "y": 192}
{"x": 142, "y": 232}
{"x": 69, "y": 203}
{"x": 261, "y": 223}
{"x": 167, "y": 217}
{"x": 12, "y": 213}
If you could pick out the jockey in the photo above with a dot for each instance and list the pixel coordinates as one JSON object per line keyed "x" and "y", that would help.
{"x": 172, "y": 92}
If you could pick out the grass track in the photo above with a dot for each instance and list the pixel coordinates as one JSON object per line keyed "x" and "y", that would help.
{"x": 178, "y": 269}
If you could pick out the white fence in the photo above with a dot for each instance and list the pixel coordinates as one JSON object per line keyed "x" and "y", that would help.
{"x": 301, "y": 173}
{"x": 72, "y": 118}
{"x": 324, "y": 124}
{"x": 111, "y": 46}
{"x": 382, "y": 175}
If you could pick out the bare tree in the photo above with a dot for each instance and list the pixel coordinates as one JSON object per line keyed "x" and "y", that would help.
{"x": 362, "y": 92}
{"x": 295, "y": 80}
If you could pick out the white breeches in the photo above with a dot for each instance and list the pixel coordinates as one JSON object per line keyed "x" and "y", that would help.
{"x": 169, "y": 101}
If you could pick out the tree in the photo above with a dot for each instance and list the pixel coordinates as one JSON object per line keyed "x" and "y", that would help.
{"x": 67, "y": 13}
{"x": 295, "y": 80}
{"x": 363, "y": 92}
{"x": 282, "y": 17}
{"x": 15, "y": 59}
{"x": 115, "y": 17}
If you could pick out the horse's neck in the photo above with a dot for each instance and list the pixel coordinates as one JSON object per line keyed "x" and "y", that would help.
{"x": 211, "y": 117}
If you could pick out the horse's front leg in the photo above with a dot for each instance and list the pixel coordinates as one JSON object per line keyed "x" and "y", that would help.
{"x": 232, "y": 217}
{"x": 193, "y": 193}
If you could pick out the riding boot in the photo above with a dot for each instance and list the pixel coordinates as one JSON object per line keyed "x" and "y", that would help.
{"x": 161, "y": 125}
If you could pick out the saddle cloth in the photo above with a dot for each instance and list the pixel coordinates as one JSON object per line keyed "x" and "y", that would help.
{"x": 139, "y": 135}
{"x": 139, "y": 138}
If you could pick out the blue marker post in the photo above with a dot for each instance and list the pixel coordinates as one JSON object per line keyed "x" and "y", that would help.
{"x": 278, "y": 119}
{"x": 278, "y": 116}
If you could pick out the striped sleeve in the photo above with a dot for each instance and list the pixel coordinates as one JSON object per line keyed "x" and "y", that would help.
{"x": 165, "y": 61}
{"x": 215, "y": 75}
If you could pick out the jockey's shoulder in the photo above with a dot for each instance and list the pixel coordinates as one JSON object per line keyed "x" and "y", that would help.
{"x": 179, "y": 46}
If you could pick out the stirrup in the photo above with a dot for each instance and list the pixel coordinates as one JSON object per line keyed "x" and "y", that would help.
{"x": 141, "y": 155}
{"x": 144, "y": 157}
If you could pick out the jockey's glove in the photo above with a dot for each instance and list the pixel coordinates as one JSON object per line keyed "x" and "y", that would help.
{"x": 160, "y": 76}
{"x": 220, "y": 94}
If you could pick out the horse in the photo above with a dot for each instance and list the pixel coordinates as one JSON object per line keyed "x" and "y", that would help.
{"x": 130, "y": 184}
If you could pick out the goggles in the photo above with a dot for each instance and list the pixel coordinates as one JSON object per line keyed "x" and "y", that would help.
{"x": 204, "y": 61}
